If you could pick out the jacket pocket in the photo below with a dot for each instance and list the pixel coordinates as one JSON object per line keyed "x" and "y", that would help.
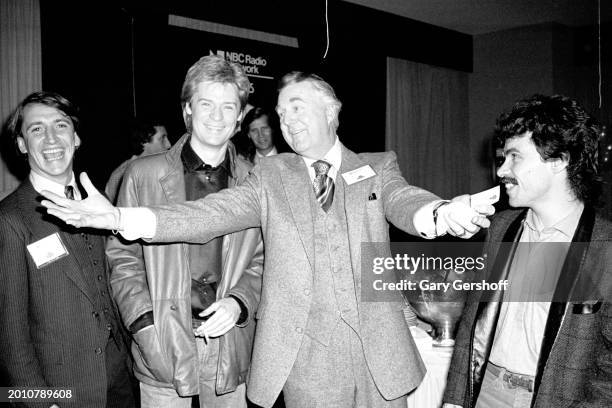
{"x": 152, "y": 355}
{"x": 586, "y": 308}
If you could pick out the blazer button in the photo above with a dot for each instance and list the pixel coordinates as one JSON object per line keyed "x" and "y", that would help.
{"x": 89, "y": 247}
{"x": 95, "y": 261}
{"x": 299, "y": 330}
{"x": 99, "y": 277}
{"x": 98, "y": 350}
{"x": 307, "y": 292}
{"x": 95, "y": 314}
{"x": 173, "y": 307}
{"x": 109, "y": 327}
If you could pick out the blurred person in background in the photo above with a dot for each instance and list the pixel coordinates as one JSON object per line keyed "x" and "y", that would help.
{"x": 145, "y": 138}
{"x": 259, "y": 135}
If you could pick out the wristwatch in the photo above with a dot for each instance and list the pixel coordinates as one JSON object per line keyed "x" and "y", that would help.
{"x": 435, "y": 213}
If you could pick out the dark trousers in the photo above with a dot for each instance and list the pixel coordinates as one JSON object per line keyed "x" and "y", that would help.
{"x": 121, "y": 384}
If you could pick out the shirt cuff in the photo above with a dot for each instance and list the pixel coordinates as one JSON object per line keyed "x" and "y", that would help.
{"x": 423, "y": 221}
{"x": 137, "y": 222}
{"x": 243, "y": 311}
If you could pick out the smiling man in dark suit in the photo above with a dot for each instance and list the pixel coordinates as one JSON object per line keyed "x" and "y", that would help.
{"x": 59, "y": 326}
{"x": 317, "y": 338}
{"x": 549, "y": 342}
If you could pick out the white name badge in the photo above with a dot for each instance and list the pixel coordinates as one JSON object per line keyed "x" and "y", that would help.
{"x": 47, "y": 250}
{"x": 360, "y": 174}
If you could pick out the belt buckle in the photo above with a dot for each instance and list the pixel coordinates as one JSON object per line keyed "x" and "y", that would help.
{"x": 517, "y": 380}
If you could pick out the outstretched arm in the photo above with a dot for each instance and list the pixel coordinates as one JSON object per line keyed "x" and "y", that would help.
{"x": 405, "y": 203}
{"x": 230, "y": 210}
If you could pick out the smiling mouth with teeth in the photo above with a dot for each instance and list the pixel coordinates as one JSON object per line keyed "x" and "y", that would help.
{"x": 53, "y": 154}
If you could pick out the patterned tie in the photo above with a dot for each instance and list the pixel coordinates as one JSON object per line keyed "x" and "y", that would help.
{"x": 69, "y": 192}
{"x": 323, "y": 184}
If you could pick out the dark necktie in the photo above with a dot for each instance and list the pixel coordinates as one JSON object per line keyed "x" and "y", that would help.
{"x": 69, "y": 192}
{"x": 323, "y": 184}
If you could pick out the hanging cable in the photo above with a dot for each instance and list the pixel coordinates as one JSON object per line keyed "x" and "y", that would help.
{"x": 599, "y": 52}
{"x": 132, "y": 58}
{"x": 326, "y": 30}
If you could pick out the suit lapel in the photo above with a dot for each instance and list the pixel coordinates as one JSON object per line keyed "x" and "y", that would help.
{"x": 566, "y": 283}
{"x": 489, "y": 306}
{"x": 173, "y": 185}
{"x": 355, "y": 199}
{"x": 298, "y": 191}
{"x": 173, "y": 182}
{"x": 42, "y": 225}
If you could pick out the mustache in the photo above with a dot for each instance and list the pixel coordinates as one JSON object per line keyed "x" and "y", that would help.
{"x": 508, "y": 180}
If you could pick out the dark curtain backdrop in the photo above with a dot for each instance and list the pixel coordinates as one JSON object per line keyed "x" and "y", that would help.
{"x": 427, "y": 125}
{"x": 20, "y": 73}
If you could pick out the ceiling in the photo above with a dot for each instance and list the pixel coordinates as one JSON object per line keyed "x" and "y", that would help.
{"x": 482, "y": 16}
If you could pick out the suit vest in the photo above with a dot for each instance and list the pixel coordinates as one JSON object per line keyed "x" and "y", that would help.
{"x": 333, "y": 298}
{"x": 90, "y": 251}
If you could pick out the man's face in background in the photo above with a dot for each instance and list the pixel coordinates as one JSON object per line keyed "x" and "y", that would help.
{"x": 158, "y": 143}
{"x": 260, "y": 133}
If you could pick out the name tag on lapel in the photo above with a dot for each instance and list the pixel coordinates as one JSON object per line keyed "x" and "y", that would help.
{"x": 357, "y": 175}
{"x": 47, "y": 250}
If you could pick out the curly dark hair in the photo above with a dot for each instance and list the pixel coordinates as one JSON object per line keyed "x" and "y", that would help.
{"x": 140, "y": 132}
{"x": 560, "y": 129}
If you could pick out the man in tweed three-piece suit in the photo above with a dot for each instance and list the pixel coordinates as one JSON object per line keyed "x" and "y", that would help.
{"x": 316, "y": 339}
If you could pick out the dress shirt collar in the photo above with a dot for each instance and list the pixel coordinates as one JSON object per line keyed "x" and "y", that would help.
{"x": 566, "y": 226}
{"x": 41, "y": 183}
{"x": 192, "y": 161}
{"x": 333, "y": 157}
{"x": 270, "y": 153}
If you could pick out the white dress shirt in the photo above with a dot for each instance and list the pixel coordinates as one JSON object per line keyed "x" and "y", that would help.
{"x": 521, "y": 324}
{"x": 270, "y": 153}
{"x": 41, "y": 183}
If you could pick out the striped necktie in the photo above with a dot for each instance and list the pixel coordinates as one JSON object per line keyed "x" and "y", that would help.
{"x": 69, "y": 192}
{"x": 323, "y": 184}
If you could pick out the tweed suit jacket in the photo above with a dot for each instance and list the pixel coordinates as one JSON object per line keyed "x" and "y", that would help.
{"x": 276, "y": 197}
{"x": 575, "y": 365}
{"x": 51, "y": 330}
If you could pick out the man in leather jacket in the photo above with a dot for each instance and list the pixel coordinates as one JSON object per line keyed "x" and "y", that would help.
{"x": 165, "y": 292}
